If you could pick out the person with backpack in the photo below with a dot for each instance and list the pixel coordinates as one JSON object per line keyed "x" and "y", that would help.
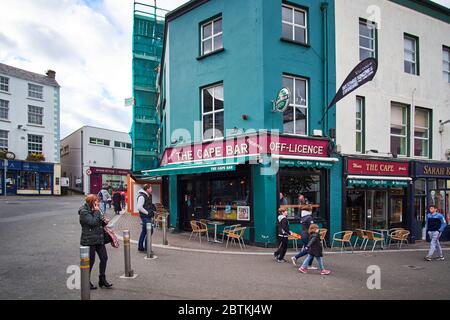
{"x": 315, "y": 250}
{"x": 146, "y": 212}
{"x": 283, "y": 233}
{"x": 104, "y": 197}
{"x": 435, "y": 226}
{"x": 306, "y": 222}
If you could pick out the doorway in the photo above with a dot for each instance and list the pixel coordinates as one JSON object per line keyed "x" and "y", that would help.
{"x": 11, "y": 183}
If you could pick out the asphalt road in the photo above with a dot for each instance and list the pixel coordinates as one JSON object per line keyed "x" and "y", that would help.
{"x": 40, "y": 239}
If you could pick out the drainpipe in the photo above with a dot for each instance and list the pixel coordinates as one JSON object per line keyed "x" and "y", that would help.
{"x": 324, "y": 9}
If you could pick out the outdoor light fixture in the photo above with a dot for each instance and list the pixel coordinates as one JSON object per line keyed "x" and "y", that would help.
{"x": 244, "y": 117}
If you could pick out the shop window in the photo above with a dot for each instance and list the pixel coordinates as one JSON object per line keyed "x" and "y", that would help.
{"x": 211, "y": 36}
{"x": 422, "y": 133}
{"x": 294, "y": 24}
{"x": 397, "y": 208}
{"x": 355, "y": 211}
{"x": 367, "y": 39}
{"x": 226, "y": 196}
{"x": 300, "y": 191}
{"x": 117, "y": 182}
{"x": 295, "y": 118}
{"x": 28, "y": 180}
{"x": 399, "y": 129}
{"x": 45, "y": 181}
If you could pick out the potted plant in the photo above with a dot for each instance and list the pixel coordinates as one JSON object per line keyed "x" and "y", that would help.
{"x": 2, "y": 154}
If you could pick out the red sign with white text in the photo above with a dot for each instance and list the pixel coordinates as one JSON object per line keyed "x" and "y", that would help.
{"x": 252, "y": 145}
{"x": 377, "y": 167}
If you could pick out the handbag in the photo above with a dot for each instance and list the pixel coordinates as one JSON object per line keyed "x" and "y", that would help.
{"x": 110, "y": 237}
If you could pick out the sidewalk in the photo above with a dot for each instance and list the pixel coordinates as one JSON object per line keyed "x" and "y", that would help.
{"x": 180, "y": 241}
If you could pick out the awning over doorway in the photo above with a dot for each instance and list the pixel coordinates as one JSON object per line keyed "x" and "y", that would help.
{"x": 382, "y": 181}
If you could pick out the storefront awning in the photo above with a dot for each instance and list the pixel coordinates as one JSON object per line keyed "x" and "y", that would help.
{"x": 382, "y": 181}
{"x": 212, "y": 166}
{"x": 306, "y": 162}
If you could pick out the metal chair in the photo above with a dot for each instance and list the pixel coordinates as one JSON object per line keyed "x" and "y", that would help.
{"x": 294, "y": 237}
{"x": 323, "y": 234}
{"x": 228, "y": 229}
{"x": 360, "y": 234}
{"x": 237, "y": 234}
{"x": 375, "y": 237}
{"x": 198, "y": 228}
{"x": 346, "y": 239}
{"x": 400, "y": 236}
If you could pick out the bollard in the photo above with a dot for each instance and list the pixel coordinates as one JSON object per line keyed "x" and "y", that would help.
{"x": 164, "y": 227}
{"x": 85, "y": 274}
{"x": 126, "y": 249}
{"x": 150, "y": 254}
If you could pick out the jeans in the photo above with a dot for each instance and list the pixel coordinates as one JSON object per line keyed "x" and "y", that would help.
{"x": 103, "y": 206}
{"x": 303, "y": 253}
{"x": 434, "y": 245}
{"x": 310, "y": 258}
{"x": 102, "y": 254}
{"x": 142, "y": 245}
{"x": 281, "y": 252}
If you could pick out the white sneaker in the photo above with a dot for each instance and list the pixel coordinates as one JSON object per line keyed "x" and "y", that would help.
{"x": 312, "y": 268}
{"x": 294, "y": 261}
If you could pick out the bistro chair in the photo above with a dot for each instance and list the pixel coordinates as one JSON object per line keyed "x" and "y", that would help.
{"x": 360, "y": 234}
{"x": 237, "y": 234}
{"x": 206, "y": 222}
{"x": 294, "y": 237}
{"x": 228, "y": 229}
{"x": 391, "y": 231}
{"x": 199, "y": 228}
{"x": 400, "y": 236}
{"x": 323, "y": 234}
{"x": 344, "y": 238}
{"x": 375, "y": 237}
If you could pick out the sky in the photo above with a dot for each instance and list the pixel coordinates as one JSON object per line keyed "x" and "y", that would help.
{"x": 88, "y": 44}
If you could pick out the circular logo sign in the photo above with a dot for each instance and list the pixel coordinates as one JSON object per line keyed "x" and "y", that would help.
{"x": 282, "y": 101}
{"x": 10, "y": 155}
{"x": 88, "y": 172}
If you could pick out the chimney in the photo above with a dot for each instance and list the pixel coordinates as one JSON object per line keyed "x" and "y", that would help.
{"x": 51, "y": 74}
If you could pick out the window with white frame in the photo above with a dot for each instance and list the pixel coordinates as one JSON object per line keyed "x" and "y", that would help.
{"x": 35, "y": 115}
{"x": 3, "y": 140}
{"x": 34, "y": 144}
{"x": 124, "y": 145}
{"x": 4, "y": 84}
{"x": 294, "y": 24}
{"x": 295, "y": 117}
{"x": 213, "y": 112}
{"x": 367, "y": 39}
{"x": 411, "y": 54}
{"x": 4, "y": 109}
{"x": 211, "y": 36}
{"x": 399, "y": 129}
{"x": 98, "y": 141}
{"x": 422, "y": 132}
{"x": 35, "y": 91}
{"x": 360, "y": 101}
{"x": 446, "y": 63}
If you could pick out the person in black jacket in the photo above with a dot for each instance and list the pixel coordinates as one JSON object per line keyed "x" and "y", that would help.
{"x": 315, "y": 250}
{"x": 92, "y": 235}
{"x": 283, "y": 233}
{"x": 117, "y": 202}
{"x": 306, "y": 222}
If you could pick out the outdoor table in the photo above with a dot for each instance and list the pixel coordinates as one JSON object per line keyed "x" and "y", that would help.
{"x": 216, "y": 223}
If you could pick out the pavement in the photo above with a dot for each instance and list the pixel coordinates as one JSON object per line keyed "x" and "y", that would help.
{"x": 40, "y": 249}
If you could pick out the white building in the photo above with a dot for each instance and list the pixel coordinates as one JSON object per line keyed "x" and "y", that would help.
{"x": 29, "y": 128}
{"x": 396, "y": 117}
{"x": 92, "y": 157}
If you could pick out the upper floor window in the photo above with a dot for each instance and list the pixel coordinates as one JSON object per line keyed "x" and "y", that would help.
{"x": 294, "y": 24}
{"x": 4, "y": 109}
{"x": 213, "y": 112}
{"x": 102, "y": 142}
{"x": 446, "y": 63}
{"x": 124, "y": 145}
{"x": 34, "y": 144}
{"x": 399, "y": 129}
{"x": 4, "y": 84}
{"x": 411, "y": 49}
{"x": 295, "y": 117}
{"x": 35, "y": 115}
{"x": 211, "y": 36}
{"x": 367, "y": 39}
{"x": 360, "y": 127}
{"x": 35, "y": 91}
{"x": 3, "y": 140}
{"x": 422, "y": 132}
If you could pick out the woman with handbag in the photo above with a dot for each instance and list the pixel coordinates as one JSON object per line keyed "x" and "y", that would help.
{"x": 93, "y": 235}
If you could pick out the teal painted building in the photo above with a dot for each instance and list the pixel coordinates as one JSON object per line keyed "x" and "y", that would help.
{"x": 223, "y": 64}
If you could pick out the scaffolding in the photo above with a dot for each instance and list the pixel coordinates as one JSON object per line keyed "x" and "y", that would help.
{"x": 148, "y": 34}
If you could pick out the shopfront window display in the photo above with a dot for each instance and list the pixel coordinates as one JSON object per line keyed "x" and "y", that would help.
{"x": 45, "y": 181}
{"x": 28, "y": 180}
{"x": 225, "y": 196}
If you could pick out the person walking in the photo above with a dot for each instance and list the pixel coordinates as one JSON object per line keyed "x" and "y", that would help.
{"x": 283, "y": 233}
{"x": 117, "y": 202}
{"x": 306, "y": 221}
{"x": 123, "y": 199}
{"x": 146, "y": 212}
{"x": 315, "y": 250}
{"x": 435, "y": 226}
{"x": 92, "y": 235}
{"x": 104, "y": 197}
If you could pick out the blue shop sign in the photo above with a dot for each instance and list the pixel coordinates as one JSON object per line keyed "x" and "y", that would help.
{"x": 28, "y": 166}
{"x": 432, "y": 170}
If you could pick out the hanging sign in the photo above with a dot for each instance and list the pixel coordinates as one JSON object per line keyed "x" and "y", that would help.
{"x": 281, "y": 103}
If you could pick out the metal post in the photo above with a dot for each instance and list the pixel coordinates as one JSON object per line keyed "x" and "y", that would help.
{"x": 126, "y": 249}
{"x": 164, "y": 227}
{"x": 149, "y": 241}
{"x": 85, "y": 274}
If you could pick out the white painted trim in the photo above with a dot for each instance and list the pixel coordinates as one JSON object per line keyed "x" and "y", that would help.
{"x": 277, "y": 156}
{"x": 379, "y": 178}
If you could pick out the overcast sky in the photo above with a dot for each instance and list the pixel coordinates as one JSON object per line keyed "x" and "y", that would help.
{"x": 88, "y": 44}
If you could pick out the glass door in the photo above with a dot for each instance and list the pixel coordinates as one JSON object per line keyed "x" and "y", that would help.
{"x": 354, "y": 215}
{"x": 376, "y": 213}
{"x": 11, "y": 183}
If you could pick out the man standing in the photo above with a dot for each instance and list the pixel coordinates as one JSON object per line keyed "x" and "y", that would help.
{"x": 104, "y": 197}
{"x": 146, "y": 211}
{"x": 435, "y": 226}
